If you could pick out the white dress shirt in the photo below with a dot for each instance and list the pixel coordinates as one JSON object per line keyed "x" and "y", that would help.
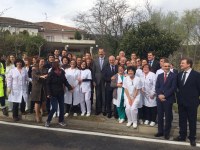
{"x": 187, "y": 74}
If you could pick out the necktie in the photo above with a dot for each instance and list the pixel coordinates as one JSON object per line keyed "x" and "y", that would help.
{"x": 101, "y": 63}
{"x": 113, "y": 69}
{"x": 183, "y": 78}
{"x": 165, "y": 77}
{"x": 150, "y": 62}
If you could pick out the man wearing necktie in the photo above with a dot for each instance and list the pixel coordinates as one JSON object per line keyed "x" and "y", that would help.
{"x": 152, "y": 62}
{"x": 188, "y": 100}
{"x": 108, "y": 72}
{"x": 99, "y": 82}
{"x": 165, "y": 90}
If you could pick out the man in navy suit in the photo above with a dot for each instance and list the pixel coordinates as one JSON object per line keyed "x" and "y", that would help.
{"x": 109, "y": 71}
{"x": 165, "y": 90}
{"x": 155, "y": 65}
{"x": 188, "y": 92}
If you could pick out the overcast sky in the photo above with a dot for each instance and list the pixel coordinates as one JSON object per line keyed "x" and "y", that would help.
{"x": 62, "y": 11}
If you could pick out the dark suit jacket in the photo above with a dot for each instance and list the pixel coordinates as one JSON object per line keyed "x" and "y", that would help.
{"x": 97, "y": 72}
{"x": 155, "y": 66}
{"x": 168, "y": 88}
{"x": 188, "y": 94}
{"x": 107, "y": 73}
{"x": 175, "y": 71}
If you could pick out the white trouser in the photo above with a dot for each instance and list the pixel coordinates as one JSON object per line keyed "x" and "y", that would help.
{"x": 10, "y": 107}
{"x": 86, "y": 101}
{"x": 131, "y": 114}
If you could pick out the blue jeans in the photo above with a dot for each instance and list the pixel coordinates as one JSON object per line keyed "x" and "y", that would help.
{"x": 55, "y": 101}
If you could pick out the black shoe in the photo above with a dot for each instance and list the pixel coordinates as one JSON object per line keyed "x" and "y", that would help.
{"x": 167, "y": 136}
{"x": 179, "y": 138}
{"x": 97, "y": 113}
{"x": 104, "y": 113}
{"x": 158, "y": 134}
{"x": 5, "y": 111}
{"x": 192, "y": 142}
{"x": 15, "y": 119}
{"x": 109, "y": 116}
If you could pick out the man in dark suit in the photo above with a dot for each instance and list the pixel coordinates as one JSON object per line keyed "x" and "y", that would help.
{"x": 98, "y": 66}
{"x": 165, "y": 90}
{"x": 108, "y": 72}
{"x": 155, "y": 65}
{"x": 188, "y": 100}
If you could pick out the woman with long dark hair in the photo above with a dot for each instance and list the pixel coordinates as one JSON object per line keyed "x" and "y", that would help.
{"x": 55, "y": 92}
{"x": 17, "y": 87}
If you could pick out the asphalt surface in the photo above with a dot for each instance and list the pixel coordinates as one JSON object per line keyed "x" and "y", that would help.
{"x": 21, "y": 138}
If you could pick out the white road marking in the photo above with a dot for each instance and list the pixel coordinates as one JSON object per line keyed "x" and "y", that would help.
{"x": 98, "y": 134}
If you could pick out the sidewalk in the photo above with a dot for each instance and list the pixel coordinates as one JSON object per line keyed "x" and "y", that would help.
{"x": 101, "y": 124}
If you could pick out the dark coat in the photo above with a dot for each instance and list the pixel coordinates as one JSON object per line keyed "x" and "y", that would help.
{"x": 155, "y": 66}
{"x": 97, "y": 72}
{"x": 55, "y": 83}
{"x": 107, "y": 73}
{"x": 188, "y": 94}
{"x": 168, "y": 88}
{"x": 38, "y": 92}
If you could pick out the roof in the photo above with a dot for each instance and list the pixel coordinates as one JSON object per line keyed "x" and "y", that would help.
{"x": 55, "y": 27}
{"x": 5, "y": 22}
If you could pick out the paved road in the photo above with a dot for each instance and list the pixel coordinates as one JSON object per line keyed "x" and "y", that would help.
{"x": 21, "y": 138}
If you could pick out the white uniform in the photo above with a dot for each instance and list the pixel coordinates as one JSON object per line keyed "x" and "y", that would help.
{"x": 138, "y": 72}
{"x": 159, "y": 71}
{"x": 119, "y": 93}
{"x": 18, "y": 83}
{"x": 131, "y": 86}
{"x": 149, "y": 83}
{"x": 72, "y": 76}
{"x": 8, "y": 68}
{"x": 85, "y": 88}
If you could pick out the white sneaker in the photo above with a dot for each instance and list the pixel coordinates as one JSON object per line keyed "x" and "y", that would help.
{"x": 135, "y": 125}
{"x": 146, "y": 122}
{"x": 54, "y": 115}
{"x": 67, "y": 114}
{"x": 88, "y": 115}
{"x": 141, "y": 121}
{"x": 75, "y": 114}
{"x": 121, "y": 120}
{"x": 82, "y": 114}
{"x": 129, "y": 124}
{"x": 152, "y": 124}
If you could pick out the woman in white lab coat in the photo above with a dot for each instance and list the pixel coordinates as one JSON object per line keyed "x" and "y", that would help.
{"x": 149, "y": 95}
{"x": 73, "y": 99}
{"x": 17, "y": 87}
{"x": 10, "y": 65}
{"x": 118, "y": 93}
{"x": 85, "y": 87}
{"x": 132, "y": 86}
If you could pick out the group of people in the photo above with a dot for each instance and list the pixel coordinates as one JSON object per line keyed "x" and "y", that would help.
{"x": 141, "y": 91}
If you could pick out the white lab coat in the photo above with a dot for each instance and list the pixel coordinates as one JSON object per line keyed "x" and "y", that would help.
{"x": 138, "y": 72}
{"x": 132, "y": 85}
{"x": 72, "y": 76}
{"x": 119, "y": 93}
{"x": 159, "y": 71}
{"x": 148, "y": 86}
{"x": 18, "y": 83}
{"x": 86, "y": 86}
{"x": 8, "y": 68}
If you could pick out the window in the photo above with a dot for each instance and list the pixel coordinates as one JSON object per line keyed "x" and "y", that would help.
{"x": 50, "y": 38}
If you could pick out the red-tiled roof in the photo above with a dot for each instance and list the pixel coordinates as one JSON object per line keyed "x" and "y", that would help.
{"x": 53, "y": 26}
